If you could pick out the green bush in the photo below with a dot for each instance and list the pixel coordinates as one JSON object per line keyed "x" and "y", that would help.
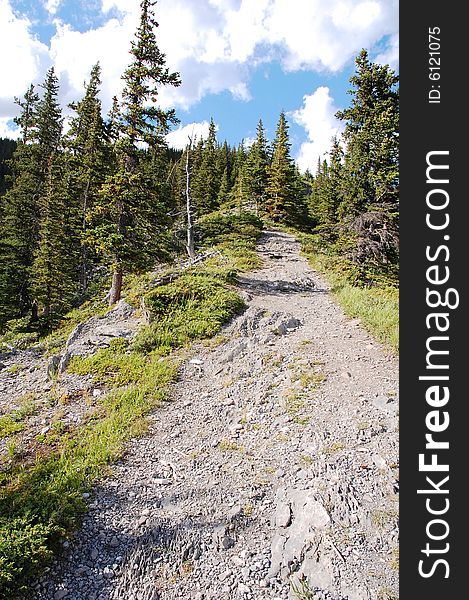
{"x": 195, "y": 306}
{"x": 221, "y": 227}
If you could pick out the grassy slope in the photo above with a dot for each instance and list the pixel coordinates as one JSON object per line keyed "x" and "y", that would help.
{"x": 376, "y": 307}
{"x": 41, "y": 504}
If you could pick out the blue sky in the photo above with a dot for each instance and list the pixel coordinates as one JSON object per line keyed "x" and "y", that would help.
{"x": 240, "y": 60}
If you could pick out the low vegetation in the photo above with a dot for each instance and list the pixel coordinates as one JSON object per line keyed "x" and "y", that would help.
{"x": 377, "y": 305}
{"x": 41, "y": 502}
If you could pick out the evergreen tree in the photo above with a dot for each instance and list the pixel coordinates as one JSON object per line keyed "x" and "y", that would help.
{"x": 90, "y": 160}
{"x": 41, "y": 123}
{"x": 280, "y": 200}
{"x": 256, "y": 170}
{"x": 224, "y": 190}
{"x": 239, "y": 191}
{"x": 329, "y": 187}
{"x": 370, "y": 177}
{"x": 371, "y": 133}
{"x": 206, "y": 181}
{"x": 53, "y": 273}
{"x": 27, "y": 120}
{"x": 7, "y": 149}
{"x": 125, "y": 220}
{"x": 49, "y": 123}
{"x": 224, "y": 162}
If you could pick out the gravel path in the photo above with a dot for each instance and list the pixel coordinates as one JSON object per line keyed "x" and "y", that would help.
{"x": 275, "y": 466}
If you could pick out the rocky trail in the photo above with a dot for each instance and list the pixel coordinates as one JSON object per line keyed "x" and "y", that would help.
{"x": 273, "y": 469}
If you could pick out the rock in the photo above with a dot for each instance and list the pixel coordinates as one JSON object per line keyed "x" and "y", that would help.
{"x": 308, "y": 516}
{"x": 96, "y": 393}
{"x": 235, "y": 512}
{"x": 225, "y": 575}
{"x": 227, "y": 542}
{"x": 379, "y": 461}
{"x": 196, "y": 361}
{"x": 59, "y": 594}
{"x": 114, "y": 543}
{"x": 282, "y": 515}
{"x": 162, "y": 481}
{"x": 243, "y": 588}
{"x": 286, "y": 326}
{"x": 386, "y": 404}
{"x": 53, "y": 367}
{"x": 97, "y": 332}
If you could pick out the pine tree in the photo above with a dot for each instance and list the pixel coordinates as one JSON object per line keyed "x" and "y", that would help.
{"x": 206, "y": 181}
{"x": 239, "y": 192}
{"x": 224, "y": 162}
{"x": 370, "y": 177}
{"x": 125, "y": 220}
{"x": 371, "y": 133}
{"x": 7, "y": 149}
{"x": 53, "y": 272}
{"x": 27, "y": 120}
{"x": 329, "y": 186}
{"x": 280, "y": 201}
{"x": 41, "y": 123}
{"x": 49, "y": 123}
{"x": 224, "y": 190}
{"x": 90, "y": 161}
{"x": 256, "y": 170}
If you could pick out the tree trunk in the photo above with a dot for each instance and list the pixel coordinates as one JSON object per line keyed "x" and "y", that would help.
{"x": 34, "y": 312}
{"x": 116, "y": 287}
{"x": 190, "y": 223}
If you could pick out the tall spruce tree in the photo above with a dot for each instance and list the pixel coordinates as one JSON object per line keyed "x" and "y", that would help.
{"x": 41, "y": 123}
{"x": 280, "y": 200}
{"x": 329, "y": 188}
{"x": 53, "y": 274}
{"x": 206, "y": 182}
{"x": 90, "y": 161}
{"x": 256, "y": 170}
{"x": 370, "y": 176}
{"x": 371, "y": 133}
{"x": 126, "y": 218}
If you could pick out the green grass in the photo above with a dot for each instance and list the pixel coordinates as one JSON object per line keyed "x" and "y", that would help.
{"x": 9, "y": 426}
{"x": 376, "y": 307}
{"x": 195, "y": 306}
{"x": 41, "y": 502}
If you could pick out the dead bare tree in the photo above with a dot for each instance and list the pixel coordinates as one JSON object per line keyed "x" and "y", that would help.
{"x": 190, "y": 222}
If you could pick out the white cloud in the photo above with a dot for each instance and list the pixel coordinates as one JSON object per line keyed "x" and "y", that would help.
{"x": 24, "y": 58}
{"x": 214, "y": 44}
{"x": 323, "y": 34}
{"x": 52, "y": 5}
{"x": 391, "y": 55}
{"x": 179, "y": 138}
{"x": 74, "y": 53}
{"x": 317, "y": 116}
{"x": 8, "y": 129}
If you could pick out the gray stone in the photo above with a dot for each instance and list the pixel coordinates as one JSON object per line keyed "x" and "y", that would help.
{"x": 282, "y": 515}
{"x": 386, "y": 404}
{"x": 53, "y": 367}
{"x": 227, "y": 542}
